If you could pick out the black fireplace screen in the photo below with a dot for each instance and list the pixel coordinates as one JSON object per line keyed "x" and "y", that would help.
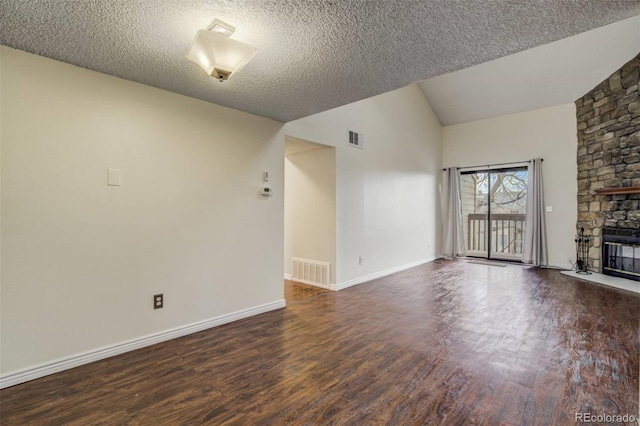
{"x": 621, "y": 252}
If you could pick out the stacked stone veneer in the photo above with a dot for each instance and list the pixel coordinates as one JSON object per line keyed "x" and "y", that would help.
{"x": 609, "y": 155}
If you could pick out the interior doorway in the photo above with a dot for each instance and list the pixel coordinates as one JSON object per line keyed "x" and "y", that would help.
{"x": 309, "y": 213}
{"x": 494, "y": 212}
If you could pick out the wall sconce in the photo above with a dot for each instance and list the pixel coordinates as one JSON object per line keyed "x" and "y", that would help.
{"x": 217, "y": 54}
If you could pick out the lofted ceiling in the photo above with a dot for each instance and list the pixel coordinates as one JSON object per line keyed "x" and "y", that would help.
{"x": 551, "y": 74}
{"x": 313, "y": 55}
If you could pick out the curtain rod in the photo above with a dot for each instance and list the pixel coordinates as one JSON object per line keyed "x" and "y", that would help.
{"x": 492, "y": 165}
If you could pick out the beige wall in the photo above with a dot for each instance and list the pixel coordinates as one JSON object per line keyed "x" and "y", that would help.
{"x": 80, "y": 259}
{"x": 387, "y": 193}
{"x": 549, "y": 133}
{"x": 310, "y": 207}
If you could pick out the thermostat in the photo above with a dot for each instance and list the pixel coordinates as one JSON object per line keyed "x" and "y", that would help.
{"x": 265, "y": 190}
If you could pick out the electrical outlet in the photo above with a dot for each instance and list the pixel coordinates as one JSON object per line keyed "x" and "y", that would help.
{"x": 158, "y": 301}
{"x": 360, "y": 261}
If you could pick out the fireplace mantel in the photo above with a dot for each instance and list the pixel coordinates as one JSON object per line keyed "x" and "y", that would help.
{"x": 614, "y": 191}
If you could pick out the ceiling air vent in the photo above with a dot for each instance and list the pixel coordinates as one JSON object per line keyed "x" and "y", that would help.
{"x": 356, "y": 139}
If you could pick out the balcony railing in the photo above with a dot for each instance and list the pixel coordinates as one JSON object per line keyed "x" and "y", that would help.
{"x": 507, "y": 234}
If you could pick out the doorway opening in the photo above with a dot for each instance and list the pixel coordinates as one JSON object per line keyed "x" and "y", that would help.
{"x": 309, "y": 213}
{"x": 494, "y": 212}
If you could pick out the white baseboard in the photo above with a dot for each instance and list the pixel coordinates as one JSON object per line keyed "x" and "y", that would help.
{"x": 360, "y": 280}
{"x": 31, "y": 373}
{"x": 561, "y": 268}
{"x": 287, "y": 277}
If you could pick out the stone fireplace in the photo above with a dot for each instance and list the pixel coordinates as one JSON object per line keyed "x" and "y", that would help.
{"x": 609, "y": 159}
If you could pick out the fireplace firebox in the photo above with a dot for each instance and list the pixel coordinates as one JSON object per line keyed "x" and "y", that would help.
{"x": 621, "y": 252}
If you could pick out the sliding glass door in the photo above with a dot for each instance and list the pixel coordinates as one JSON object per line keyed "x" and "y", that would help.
{"x": 494, "y": 212}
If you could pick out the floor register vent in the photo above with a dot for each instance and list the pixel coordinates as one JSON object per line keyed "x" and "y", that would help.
{"x": 311, "y": 272}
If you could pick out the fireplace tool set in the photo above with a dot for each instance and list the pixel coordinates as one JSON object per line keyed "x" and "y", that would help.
{"x": 582, "y": 252}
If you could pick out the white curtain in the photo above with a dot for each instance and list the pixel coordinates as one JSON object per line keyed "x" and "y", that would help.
{"x": 535, "y": 237}
{"x": 452, "y": 233}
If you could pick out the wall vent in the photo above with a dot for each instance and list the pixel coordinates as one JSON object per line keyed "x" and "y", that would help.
{"x": 311, "y": 272}
{"x": 356, "y": 139}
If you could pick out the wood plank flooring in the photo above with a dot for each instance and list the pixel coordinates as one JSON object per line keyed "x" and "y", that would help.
{"x": 294, "y": 291}
{"x": 445, "y": 343}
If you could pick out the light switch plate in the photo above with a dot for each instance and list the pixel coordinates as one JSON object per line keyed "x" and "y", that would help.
{"x": 113, "y": 177}
{"x": 549, "y": 209}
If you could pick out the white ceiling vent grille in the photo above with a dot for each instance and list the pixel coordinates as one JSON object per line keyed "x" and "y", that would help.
{"x": 356, "y": 139}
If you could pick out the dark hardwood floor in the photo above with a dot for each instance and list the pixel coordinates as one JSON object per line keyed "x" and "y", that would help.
{"x": 444, "y": 343}
{"x": 294, "y": 291}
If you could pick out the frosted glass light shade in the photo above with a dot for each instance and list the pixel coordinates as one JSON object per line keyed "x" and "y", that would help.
{"x": 219, "y": 56}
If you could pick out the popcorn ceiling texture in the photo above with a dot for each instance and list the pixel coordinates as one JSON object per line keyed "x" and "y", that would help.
{"x": 312, "y": 55}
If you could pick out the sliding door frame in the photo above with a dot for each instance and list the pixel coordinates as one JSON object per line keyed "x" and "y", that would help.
{"x": 517, "y": 167}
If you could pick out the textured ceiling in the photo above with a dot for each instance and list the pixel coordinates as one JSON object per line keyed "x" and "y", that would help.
{"x": 313, "y": 55}
{"x": 552, "y": 74}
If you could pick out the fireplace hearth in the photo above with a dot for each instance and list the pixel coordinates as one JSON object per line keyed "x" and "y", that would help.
{"x": 621, "y": 253}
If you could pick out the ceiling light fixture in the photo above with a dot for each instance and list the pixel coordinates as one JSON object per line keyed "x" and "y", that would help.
{"x": 217, "y": 54}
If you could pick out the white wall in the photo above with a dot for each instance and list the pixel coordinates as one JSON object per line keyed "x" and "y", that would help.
{"x": 387, "y": 193}
{"x": 1, "y": 54}
{"x": 549, "y": 133}
{"x": 81, "y": 260}
{"x": 310, "y": 207}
